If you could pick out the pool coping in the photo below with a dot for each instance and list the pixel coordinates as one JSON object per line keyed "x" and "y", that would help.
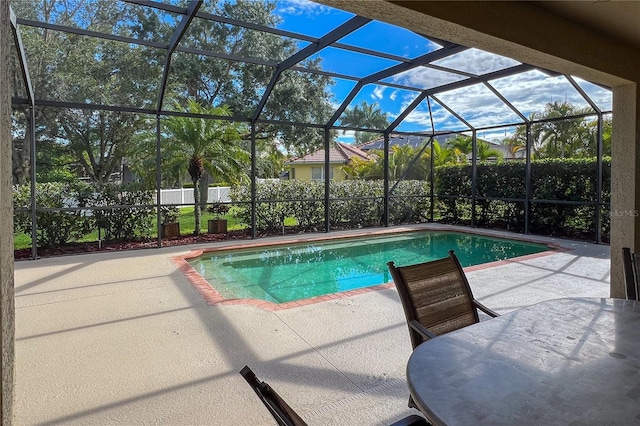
{"x": 213, "y": 297}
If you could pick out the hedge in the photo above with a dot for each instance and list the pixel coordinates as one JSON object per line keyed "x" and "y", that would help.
{"x": 353, "y": 204}
{"x": 573, "y": 180}
{"x": 63, "y": 216}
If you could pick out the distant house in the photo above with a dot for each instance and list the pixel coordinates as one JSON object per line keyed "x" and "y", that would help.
{"x": 394, "y": 140}
{"x": 311, "y": 166}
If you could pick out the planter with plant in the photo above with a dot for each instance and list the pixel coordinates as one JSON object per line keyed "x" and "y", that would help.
{"x": 169, "y": 226}
{"x": 217, "y": 225}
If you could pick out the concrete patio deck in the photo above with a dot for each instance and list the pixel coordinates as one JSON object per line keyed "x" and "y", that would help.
{"x": 124, "y": 338}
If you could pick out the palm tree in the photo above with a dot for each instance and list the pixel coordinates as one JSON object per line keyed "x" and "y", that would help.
{"x": 443, "y": 155}
{"x": 462, "y": 143}
{"x": 210, "y": 145}
{"x": 359, "y": 168}
{"x": 485, "y": 151}
{"x": 365, "y": 115}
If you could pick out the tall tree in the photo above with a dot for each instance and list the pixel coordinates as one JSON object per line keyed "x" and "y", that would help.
{"x": 484, "y": 151}
{"x": 561, "y": 137}
{"x": 462, "y": 143}
{"x": 400, "y": 158}
{"x": 100, "y": 140}
{"x": 76, "y": 68}
{"x": 296, "y": 97}
{"x": 201, "y": 144}
{"x": 365, "y": 115}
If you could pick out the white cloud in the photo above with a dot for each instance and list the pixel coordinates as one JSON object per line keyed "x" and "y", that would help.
{"x": 531, "y": 91}
{"x": 393, "y": 95}
{"x": 476, "y": 61}
{"x": 301, "y": 7}
{"x": 425, "y": 78}
{"x": 347, "y": 137}
{"x": 479, "y": 106}
{"x": 378, "y": 92}
{"x": 601, "y": 96}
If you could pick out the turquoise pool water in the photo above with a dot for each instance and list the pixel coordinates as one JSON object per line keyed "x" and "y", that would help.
{"x": 284, "y": 273}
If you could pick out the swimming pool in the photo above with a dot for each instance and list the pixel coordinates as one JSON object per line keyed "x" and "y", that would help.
{"x": 282, "y": 273}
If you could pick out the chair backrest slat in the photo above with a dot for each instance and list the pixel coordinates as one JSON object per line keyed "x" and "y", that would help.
{"x": 436, "y": 294}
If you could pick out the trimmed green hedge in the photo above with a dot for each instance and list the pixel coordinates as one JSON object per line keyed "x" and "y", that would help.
{"x": 353, "y": 204}
{"x": 551, "y": 180}
{"x": 123, "y": 223}
{"x": 57, "y": 227}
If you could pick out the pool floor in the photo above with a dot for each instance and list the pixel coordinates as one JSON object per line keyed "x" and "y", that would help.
{"x": 285, "y": 273}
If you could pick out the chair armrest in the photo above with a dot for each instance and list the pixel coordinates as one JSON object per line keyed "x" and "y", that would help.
{"x": 484, "y": 309}
{"x": 421, "y": 329}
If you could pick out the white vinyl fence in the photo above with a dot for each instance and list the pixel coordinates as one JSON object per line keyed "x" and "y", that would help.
{"x": 185, "y": 195}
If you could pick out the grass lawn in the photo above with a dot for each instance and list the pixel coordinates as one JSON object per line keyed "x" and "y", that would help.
{"x": 186, "y": 219}
{"x": 188, "y": 222}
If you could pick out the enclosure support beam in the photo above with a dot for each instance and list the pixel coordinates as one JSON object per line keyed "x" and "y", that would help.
{"x": 413, "y": 105}
{"x": 253, "y": 180}
{"x": 432, "y": 184}
{"x": 527, "y": 180}
{"x": 332, "y": 36}
{"x": 451, "y": 111}
{"x": 386, "y": 179}
{"x": 599, "y": 177}
{"x": 327, "y": 181}
{"x": 22, "y": 57}
{"x": 158, "y": 182}
{"x": 32, "y": 174}
{"x": 474, "y": 176}
{"x": 450, "y": 49}
{"x": 192, "y": 9}
{"x": 597, "y": 215}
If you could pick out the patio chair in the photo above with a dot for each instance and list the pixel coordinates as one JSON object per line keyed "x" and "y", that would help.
{"x": 279, "y": 409}
{"x": 630, "y": 274}
{"x": 436, "y": 297}
{"x": 284, "y": 414}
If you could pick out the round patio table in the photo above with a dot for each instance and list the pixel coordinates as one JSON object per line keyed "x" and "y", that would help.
{"x": 565, "y": 361}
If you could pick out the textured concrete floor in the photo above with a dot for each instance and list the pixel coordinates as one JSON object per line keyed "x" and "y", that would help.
{"x": 123, "y": 338}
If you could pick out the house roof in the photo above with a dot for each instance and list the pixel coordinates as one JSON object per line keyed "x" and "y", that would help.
{"x": 339, "y": 153}
{"x": 417, "y": 141}
{"x": 402, "y": 140}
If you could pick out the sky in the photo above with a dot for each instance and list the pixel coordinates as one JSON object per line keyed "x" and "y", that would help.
{"x": 529, "y": 92}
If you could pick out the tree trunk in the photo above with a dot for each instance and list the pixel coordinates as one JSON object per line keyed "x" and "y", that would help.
{"x": 205, "y": 180}
{"x": 196, "y": 205}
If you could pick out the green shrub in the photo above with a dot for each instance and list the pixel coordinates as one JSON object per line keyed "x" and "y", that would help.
{"x": 57, "y": 226}
{"x": 358, "y": 203}
{"x": 410, "y": 202}
{"x": 353, "y": 204}
{"x": 54, "y": 228}
{"x": 552, "y": 180}
{"x": 123, "y": 223}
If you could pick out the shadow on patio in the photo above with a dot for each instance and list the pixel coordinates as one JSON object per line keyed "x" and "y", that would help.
{"x": 123, "y": 338}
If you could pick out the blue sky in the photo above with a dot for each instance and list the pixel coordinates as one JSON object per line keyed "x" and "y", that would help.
{"x": 529, "y": 92}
